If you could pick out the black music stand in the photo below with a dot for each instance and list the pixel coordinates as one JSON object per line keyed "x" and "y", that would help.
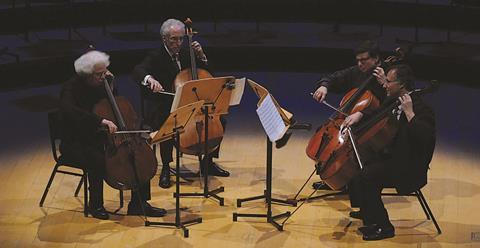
{"x": 216, "y": 92}
{"x": 267, "y": 195}
{"x": 172, "y": 128}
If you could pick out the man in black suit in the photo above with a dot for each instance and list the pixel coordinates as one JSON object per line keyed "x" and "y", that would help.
{"x": 404, "y": 162}
{"x": 157, "y": 73}
{"x": 82, "y": 143}
{"x": 368, "y": 60}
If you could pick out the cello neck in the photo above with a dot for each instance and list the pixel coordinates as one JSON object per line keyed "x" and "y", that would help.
{"x": 193, "y": 64}
{"x": 113, "y": 103}
{"x": 353, "y": 99}
{"x": 393, "y": 103}
{"x": 399, "y": 55}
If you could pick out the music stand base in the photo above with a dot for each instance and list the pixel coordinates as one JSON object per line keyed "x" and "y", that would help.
{"x": 270, "y": 218}
{"x": 288, "y": 202}
{"x": 210, "y": 194}
{"x": 182, "y": 224}
{"x": 322, "y": 196}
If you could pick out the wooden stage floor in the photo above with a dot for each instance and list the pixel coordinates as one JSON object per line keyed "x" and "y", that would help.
{"x": 452, "y": 194}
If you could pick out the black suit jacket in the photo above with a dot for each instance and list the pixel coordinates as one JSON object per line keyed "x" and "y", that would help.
{"x": 159, "y": 64}
{"x": 411, "y": 151}
{"x": 413, "y": 148}
{"x": 77, "y": 99}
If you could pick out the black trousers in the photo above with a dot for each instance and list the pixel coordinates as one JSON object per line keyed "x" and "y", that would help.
{"x": 366, "y": 191}
{"x": 92, "y": 158}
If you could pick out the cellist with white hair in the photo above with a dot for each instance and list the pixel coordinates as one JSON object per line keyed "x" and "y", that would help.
{"x": 82, "y": 143}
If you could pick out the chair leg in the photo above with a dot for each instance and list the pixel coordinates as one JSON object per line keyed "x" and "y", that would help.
{"x": 45, "y": 192}
{"x": 422, "y": 203}
{"x": 439, "y": 231}
{"x": 85, "y": 193}
{"x": 78, "y": 187}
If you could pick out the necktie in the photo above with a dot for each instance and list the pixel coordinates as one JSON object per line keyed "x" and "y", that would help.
{"x": 176, "y": 63}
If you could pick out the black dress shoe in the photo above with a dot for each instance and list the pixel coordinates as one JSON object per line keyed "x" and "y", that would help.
{"x": 379, "y": 233}
{"x": 321, "y": 186}
{"x": 367, "y": 228}
{"x": 215, "y": 170}
{"x": 99, "y": 213}
{"x": 150, "y": 211}
{"x": 164, "y": 181}
{"x": 355, "y": 214}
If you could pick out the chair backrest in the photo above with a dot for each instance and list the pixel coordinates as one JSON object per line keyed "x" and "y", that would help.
{"x": 55, "y": 129}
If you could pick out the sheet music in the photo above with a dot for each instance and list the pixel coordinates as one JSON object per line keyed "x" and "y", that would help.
{"x": 261, "y": 92}
{"x": 271, "y": 120}
{"x": 237, "y": 92}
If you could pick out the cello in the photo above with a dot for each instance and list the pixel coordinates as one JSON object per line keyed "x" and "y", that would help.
{"x": 192, "y": 142}
{"x": 129, "y": 160}
{"x": 371, "y": 137}
{"x": 324, "y": 144}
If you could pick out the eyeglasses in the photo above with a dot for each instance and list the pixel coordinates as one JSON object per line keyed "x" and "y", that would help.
{"x": 175, "y": 39}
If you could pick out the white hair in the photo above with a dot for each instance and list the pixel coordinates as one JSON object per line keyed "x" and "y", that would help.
{"x": 168, "y": 24}
{"x": 84, "y": 65}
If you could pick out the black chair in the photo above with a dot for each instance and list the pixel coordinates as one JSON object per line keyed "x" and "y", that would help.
{"x": 55, "y": 127}
{"x": 423, "y": 203}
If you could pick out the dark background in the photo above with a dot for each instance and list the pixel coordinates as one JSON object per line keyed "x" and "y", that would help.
{"x": 283, "y": 45}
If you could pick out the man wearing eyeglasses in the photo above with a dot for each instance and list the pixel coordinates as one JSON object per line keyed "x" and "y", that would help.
{"x": 157, "y": 73}
{"x": 368, "y": 60}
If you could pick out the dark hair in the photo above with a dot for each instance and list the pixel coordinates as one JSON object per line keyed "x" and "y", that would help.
{"x": 368, "y": 46}
{"x": 404, "y": 75}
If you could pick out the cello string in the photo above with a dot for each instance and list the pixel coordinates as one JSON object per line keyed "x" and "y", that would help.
{"x": 332, "y": 107}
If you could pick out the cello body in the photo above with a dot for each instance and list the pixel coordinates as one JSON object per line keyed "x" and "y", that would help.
{"x": 327, "y": 138}
{"x": 192, "y": 141}
{"x": 330, "y": 141}
{"x": 343, "y": 164}
{"x": 372, "y": 136}
{"x": 331, "y": 148}
{"x": 129, "y": 160}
